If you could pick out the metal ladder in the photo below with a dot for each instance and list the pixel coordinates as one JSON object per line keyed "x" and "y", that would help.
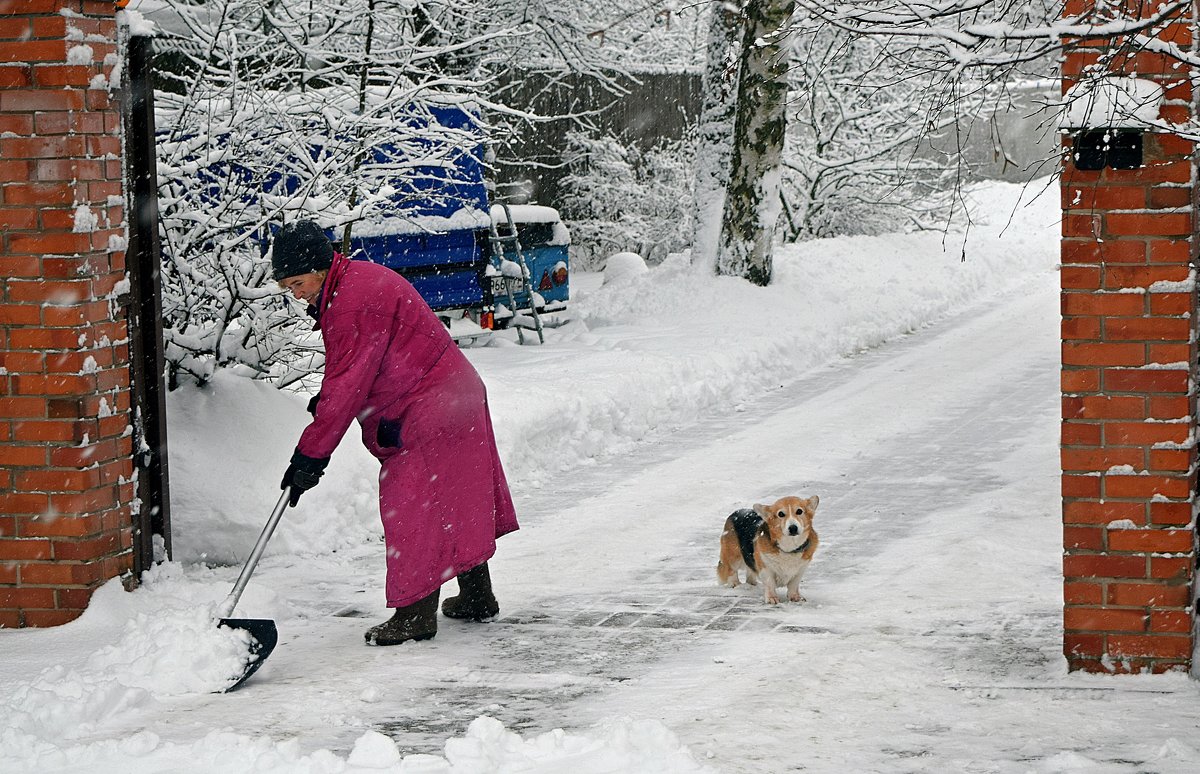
{"x": 498, "y": 242}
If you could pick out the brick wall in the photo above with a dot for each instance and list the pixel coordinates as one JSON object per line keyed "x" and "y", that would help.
{"x": 1129, "y": 315}
{"x": 66, "y": 479}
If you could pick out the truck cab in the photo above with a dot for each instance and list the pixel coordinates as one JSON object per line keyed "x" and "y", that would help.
{"x": 544, "y": 243}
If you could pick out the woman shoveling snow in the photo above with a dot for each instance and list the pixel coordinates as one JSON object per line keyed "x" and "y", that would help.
{"x": 390, "y": 364}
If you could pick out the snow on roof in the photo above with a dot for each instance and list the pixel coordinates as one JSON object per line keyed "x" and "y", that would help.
{"x": 1114, "y": 101}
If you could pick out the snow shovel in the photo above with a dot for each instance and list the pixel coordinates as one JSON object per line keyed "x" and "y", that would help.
{"x": 263, "y": 634}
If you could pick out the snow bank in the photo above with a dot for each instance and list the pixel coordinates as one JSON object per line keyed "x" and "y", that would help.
{"x": 230, "y": 444}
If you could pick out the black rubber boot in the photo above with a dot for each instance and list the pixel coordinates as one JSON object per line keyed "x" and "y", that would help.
{"x": 475, "y": 600}
{"x": 417, "y": 621}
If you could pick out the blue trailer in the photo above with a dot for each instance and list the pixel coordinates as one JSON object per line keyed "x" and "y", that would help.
{"x": 437, "y": 235}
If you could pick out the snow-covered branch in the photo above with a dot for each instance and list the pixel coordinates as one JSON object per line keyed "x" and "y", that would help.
{"x": 995, "y": 33}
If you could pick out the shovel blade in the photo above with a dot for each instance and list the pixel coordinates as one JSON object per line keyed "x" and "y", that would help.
{"x": 263, "y": 638}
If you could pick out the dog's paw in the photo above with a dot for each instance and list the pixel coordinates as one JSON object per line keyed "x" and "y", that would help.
{"x": 796, "y": 597}
{"x": 771, "y": 599}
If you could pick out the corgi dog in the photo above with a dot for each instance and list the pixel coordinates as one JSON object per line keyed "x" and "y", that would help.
{"x": 772, "y": 543}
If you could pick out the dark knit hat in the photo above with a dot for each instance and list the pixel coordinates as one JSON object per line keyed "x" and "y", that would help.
{"x": 299, "y": 248}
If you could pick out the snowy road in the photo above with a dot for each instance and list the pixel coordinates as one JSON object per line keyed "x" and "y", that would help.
{"x": 930, "y": 640}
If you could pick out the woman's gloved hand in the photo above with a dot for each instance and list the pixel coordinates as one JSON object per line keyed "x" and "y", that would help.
{"x": 303, "y": 474}
{"x": 312, "y": 404}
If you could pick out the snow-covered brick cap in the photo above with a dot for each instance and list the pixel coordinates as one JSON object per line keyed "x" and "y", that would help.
{"x": 1120, "y": 102}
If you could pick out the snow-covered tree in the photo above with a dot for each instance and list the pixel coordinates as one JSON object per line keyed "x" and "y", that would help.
{"x": 857, "y": 158}
{"x": 286, "y": 110}
{"x": 752, "y": 195}
{"x": 988, "y": 34}
{"x": 991, "y": 40}
{"x": 714, "y": 132}
{"x": 620, "y": 198}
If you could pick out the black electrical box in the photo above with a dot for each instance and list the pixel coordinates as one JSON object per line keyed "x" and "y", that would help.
{"x": 1095, "y": 149}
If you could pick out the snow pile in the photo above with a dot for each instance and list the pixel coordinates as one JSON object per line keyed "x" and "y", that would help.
{"x": 156, "y": 656}
{"x": 623, "y": 746}
{"x": 180, "y": 652}
{"x": 621, "y": 266}
{"x": 163, "y": 645}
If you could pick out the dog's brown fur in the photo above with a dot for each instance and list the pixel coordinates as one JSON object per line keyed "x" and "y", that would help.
{"x": 781, "y": 554}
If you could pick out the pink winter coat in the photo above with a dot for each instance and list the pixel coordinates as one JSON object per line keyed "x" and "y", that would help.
{"x": 390, "y": 364}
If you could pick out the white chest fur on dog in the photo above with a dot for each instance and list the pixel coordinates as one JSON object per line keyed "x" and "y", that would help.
{"x": 781, "y": 569}
{"x": 784, "y": 567}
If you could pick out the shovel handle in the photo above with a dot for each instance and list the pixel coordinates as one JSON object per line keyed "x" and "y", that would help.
{"x": 226, "y": 608}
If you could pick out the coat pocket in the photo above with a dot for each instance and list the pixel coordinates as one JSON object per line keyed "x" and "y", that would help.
{"x": 388, "y": 434}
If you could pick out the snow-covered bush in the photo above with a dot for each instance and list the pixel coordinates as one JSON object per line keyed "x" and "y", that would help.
{"x": 621, "y": 198}
{"x": 621, "y": 267}
{"x": 235, "y": 164}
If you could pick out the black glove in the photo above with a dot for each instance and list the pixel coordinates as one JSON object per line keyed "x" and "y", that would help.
{"x": 303, "y": 474}
{"x": 312, "y": 404}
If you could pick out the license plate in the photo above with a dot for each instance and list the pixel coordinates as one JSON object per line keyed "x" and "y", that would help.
{"x": 498, "y": 286}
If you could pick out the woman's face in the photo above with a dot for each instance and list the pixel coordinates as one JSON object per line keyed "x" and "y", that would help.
{"x": 304, "y": 286}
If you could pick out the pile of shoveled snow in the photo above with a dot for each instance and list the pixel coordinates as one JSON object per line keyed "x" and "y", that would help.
{"x": 163, "y": 644}
{"x": 156, "y": 656}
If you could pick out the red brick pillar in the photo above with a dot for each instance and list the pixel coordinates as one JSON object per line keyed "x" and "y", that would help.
{"x": 1128, "y": 381}
{"x": 65, "y": 438}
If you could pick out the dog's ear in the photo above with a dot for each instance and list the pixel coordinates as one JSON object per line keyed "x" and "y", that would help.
{"x": 762, "y": 510}
{"x": 812, "y": 504}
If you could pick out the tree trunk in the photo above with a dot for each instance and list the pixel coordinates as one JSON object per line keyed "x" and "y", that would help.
{"x": 752, "y": 198}
{"x": 714, "y": 145}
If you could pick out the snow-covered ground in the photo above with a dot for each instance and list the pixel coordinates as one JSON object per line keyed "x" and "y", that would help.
{"x": 915, "y": 392}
